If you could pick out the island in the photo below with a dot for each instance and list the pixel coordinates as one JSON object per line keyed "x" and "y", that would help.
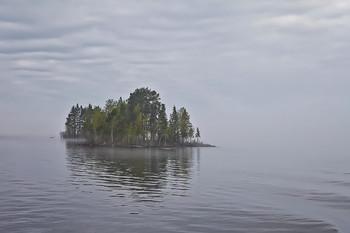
{"x": 139, "y": 121}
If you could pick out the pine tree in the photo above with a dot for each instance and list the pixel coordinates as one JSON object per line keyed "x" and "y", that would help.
{"x": 174, "y": 125}
{"x": 198, "y": 134}
{"x": 75, "y": 122}
{"x": 185, "y": 124}
{"x": 162, "y": 124}
{"x": 87, "y": 125}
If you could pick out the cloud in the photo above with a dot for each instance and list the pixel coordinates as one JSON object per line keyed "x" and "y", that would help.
{"x": 241, "y": 68}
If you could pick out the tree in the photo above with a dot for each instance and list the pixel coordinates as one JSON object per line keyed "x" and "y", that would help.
{"x": 146, "y": 99}
{"x": 138, "y": 125}
{"x": 98, "y": 125}
{"x": 142, "y": 119}
{"x": 198, "y": 134}
{"x": 110, "y": 106}
{"x": 122, "y": 121}
{"x": 70, "y": 123}
{"x": 74, "y": 122}
{"x": 111, "y": 121}
{"x": 191, "y": 134}
{"x": 87, "y": 126}
{"x": 149, "y": 102}
{"x": 185, "y": 124}
{"x": 111, "y": 111}
{"x": 174, "y": 125}
{"x": 162, "y": 124}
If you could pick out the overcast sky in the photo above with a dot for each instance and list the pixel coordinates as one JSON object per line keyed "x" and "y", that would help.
{"x": 264, "y": 74}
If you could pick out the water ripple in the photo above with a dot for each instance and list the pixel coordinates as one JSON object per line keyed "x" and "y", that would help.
{"x": 331, "y": 199}
{"x": 83, "y": 189}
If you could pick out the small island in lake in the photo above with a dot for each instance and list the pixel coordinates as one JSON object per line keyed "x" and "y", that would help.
{"x": 139, "y": 121}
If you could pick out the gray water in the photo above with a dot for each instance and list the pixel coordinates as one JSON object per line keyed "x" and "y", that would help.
{"x": 50, "y": 185}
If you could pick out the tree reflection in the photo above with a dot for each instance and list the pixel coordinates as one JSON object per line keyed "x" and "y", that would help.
{"x": 143, "y": 174}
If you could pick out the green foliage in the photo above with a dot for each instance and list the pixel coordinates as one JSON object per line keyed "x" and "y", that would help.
{"x": 74, "y": 122}
{"x": 110, "y": 106}
{"x": 185, "y": 125}
{"x": 140, "y": 120}
{"x": 162, "y": 125}
{"x": 148, "y": 100}
{"x": 175, "y": 126}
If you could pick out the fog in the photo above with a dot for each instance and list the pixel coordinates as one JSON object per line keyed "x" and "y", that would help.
{"x": 269, "y": 75}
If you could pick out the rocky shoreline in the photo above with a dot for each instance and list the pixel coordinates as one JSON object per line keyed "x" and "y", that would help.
{"x": 82, "y": 142}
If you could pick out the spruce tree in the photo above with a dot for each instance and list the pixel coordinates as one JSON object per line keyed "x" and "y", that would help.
{"x": 174, "y": 125}
{"x": 162, "y": 124}
{"x": 198, "y": 134}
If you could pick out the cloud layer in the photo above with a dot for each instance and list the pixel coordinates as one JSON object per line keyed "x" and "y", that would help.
{"x": 253, "y": 72}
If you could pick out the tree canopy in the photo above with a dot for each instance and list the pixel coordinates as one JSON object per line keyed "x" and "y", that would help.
{"x": 141, "y": 120}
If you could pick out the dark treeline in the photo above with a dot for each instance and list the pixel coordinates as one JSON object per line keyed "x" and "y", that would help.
{"x": 141, "y": 120}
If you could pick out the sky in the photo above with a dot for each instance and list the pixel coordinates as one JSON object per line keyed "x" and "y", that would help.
{"x": 252, "y": 74}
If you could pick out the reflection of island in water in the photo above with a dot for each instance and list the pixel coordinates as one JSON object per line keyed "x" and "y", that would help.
{"x": 143, "y": 174}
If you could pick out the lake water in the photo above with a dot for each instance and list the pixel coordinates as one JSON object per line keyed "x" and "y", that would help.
{"x": 50, "y": 185}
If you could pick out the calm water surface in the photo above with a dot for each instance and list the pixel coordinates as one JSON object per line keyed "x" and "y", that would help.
{"x": 50, "y": 185}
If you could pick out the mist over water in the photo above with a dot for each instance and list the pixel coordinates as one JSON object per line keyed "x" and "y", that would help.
{"x": 265, "y": 81}
{"x": 51, "y": 185}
